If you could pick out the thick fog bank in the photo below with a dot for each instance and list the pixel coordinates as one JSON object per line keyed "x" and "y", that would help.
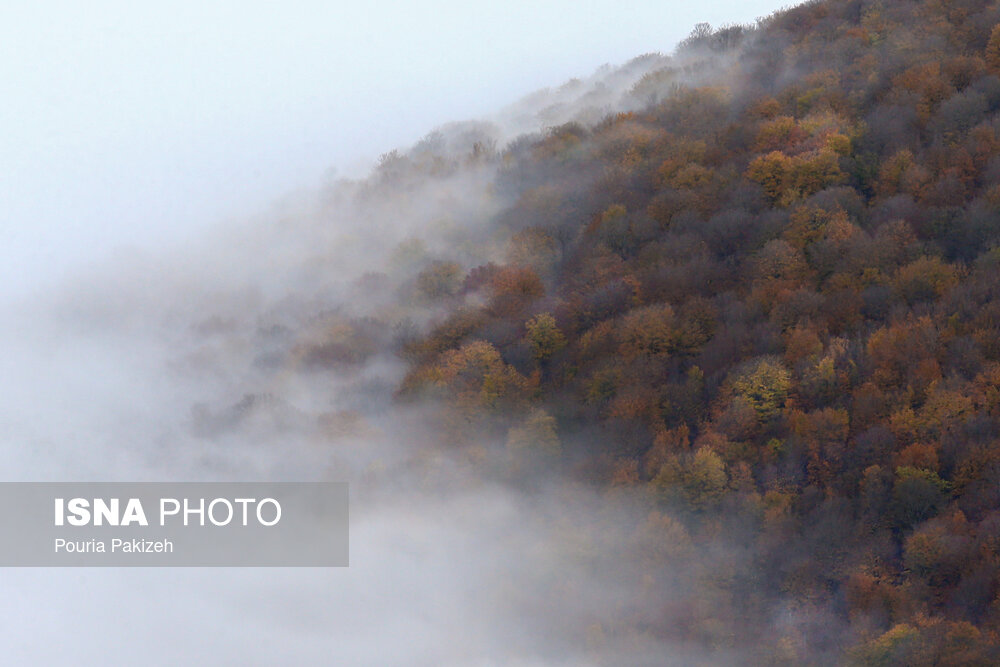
{"x": 269, "y": 350}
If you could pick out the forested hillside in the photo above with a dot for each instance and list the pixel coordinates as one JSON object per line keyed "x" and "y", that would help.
{"x": 764, "y": 305}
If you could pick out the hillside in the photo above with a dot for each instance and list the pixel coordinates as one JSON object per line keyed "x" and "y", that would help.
{"x": 761, "y": 300}
{"x": 705, "y": 371}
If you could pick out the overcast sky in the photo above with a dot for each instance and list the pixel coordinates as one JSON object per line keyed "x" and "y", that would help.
{"x": 129, "y": 124}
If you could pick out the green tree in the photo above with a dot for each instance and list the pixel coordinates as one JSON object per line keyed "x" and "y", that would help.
{"x": 545, "y": 337}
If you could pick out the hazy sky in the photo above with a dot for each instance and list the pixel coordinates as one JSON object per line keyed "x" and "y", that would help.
{"x": 130, "y": 124}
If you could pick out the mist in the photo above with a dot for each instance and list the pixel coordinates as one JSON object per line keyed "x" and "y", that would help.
{"x": 217, "y": 289}
{"x": 127, "y": 127}
{"x": 201, "y": 364}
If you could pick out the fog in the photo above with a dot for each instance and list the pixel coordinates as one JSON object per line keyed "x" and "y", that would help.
{"x": 128, "y": 126}
{"x": 180, "y": 248}
{"x": 194, "y": 365}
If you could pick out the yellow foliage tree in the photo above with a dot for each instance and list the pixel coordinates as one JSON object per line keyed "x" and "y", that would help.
{"x": 765, "y": 386}
{"x": 545, "y": 337}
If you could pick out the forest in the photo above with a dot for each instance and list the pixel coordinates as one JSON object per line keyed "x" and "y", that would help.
{"x": 760, "y": 304}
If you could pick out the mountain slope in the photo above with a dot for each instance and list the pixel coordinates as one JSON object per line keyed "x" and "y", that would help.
{"x": 762, "y": 300}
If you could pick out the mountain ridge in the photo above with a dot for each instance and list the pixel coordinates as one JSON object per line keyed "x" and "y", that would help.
{"x": 764, "y": 300}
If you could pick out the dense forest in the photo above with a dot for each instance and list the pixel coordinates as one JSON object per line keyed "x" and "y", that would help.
{"x": 763, "y": 305}
{"x": 692, "y": 361}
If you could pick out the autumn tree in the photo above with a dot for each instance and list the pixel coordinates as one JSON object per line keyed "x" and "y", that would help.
{"x": 992, "y": 53}
{"x": 764, "y": 385}
{"x": 534, "y": 441}
{"x": 545, "y": 337}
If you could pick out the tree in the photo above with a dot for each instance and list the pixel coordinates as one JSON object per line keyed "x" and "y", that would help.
{"x": 779, "y": 133}
{"x": 992, "y": 53}
{"x": 439, "y": 280}
{"x": 705, "y": 479}
{"x": 764, "y": 384}
{"x": 534, "y": 441}
{"x": 545, "y": 337}
{"x": 534, "y": 248}
{"x": 473, "y": 377}
{"x": 647, "y": 331}
{"x": 917, "y": 495}
{"x": 698, "y": 479}
{"x": 925, "y": 279}
{"x": 513, "y": 288}
{"x": 771, "y": 172}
